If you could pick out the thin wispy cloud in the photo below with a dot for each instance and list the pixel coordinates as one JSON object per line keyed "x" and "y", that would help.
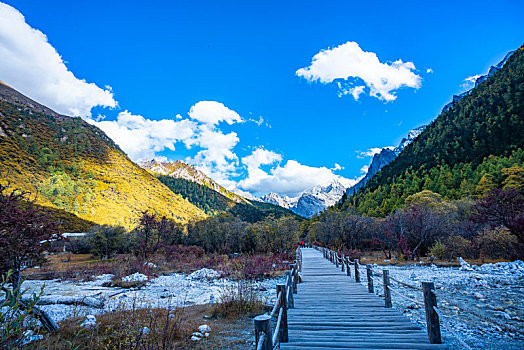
{"x": 350, "y": 63}
{"x": 469, "y": 82}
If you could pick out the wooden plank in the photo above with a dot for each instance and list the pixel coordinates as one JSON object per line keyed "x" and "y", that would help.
{"x": 333, "y": 312}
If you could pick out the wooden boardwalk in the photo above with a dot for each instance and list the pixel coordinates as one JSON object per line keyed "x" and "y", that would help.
{"x": 332, "y": 311}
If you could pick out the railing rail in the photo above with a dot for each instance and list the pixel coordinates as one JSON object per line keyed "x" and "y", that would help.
{"x": 269, "y": 337}
{"x": 433, "y": 313}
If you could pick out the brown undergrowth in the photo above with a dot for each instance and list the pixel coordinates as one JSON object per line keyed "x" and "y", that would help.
{"x": 184, "y": 260}
{"x": 166, "y": 329}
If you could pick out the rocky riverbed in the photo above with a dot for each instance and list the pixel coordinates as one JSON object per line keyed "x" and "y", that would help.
{"x": 493, "y": 290}
{"x": 173, "y": 290}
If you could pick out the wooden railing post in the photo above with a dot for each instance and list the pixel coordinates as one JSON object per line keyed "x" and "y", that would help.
{"x": 370, "y": 279}
{"x": 289, "y": 285}
{"x": 263, "y": 326}
{"x": 283, "y": 336}
{"x": 336, "y": 259}
{"x": 348, "y": 267}
{"x": 387, "y": 292}
{"x": 357, "y": 271}
{"x": 294, "y": 272}
{"x": 432, "y": 320}
{"x": 343, "y": 262}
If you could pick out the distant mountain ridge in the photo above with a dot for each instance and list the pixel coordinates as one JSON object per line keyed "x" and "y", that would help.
{"x": 492, "y": 70}
{"x": 384, "y": 157}
{"x": 181, "y": 170}
{"x": 313, "y": 201}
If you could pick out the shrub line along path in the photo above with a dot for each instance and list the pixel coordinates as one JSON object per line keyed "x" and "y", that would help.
{"x": 334, "y": 312}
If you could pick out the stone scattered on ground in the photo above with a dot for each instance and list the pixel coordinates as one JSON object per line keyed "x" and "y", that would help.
{"x": 204, "y": 273}
{"x": 89, "y": 322}
{"x": 136, "y": 277}
{"x": 204, "y": 328}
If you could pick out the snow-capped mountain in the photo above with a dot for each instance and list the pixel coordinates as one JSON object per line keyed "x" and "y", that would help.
{"x": 412, "y": 135}
{"x": 313, "y": 201}
{"x": 385, "y": 156}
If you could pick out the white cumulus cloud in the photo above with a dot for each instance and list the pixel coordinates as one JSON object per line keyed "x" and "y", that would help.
{"x": 260, "y": 156}
{"x": 141, "y": 138}
{"x": 337, "y": 167}
{"x": 369, "y": 153}
{"x": 349, "y": 61}
{"x": 212, "y": 113}
{"x": 30, "y": 64}
{"x": 292, "y": 178}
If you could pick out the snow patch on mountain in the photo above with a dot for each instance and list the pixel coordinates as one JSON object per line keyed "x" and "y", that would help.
{"x": 385, "y": 156}
{"x": 313, "y": 201}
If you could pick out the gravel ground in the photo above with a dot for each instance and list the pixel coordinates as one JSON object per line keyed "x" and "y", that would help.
{"x": 493, "y": 290}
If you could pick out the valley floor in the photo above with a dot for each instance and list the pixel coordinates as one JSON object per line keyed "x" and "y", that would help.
{"x": 494, "y": 290}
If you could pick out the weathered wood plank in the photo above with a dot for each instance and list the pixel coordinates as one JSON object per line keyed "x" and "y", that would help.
{"x": 333, "y": 312}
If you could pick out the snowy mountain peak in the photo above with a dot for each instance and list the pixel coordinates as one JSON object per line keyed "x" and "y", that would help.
{"x": 313, "y": 201}
{"x": 412, "y": 135}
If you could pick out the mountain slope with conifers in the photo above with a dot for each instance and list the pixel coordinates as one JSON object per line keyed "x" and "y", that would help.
{"x": 180, "y": 170}
{"x": 213, "y": 202}
{"x": 473, "y": 147}
{"x": 67, "y": 163}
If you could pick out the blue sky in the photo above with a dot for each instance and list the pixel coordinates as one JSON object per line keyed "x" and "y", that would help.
{"x": 161, "y": 58}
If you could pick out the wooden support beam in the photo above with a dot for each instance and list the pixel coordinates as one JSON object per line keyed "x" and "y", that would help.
{"x": 387, "y": 292}
{"x": 432, "y": 320}
{"x": 284, "y": 334}
{"x": 263, "y": 329}
{"x": 357, "y": 271}
{"x": 369, "y": 272}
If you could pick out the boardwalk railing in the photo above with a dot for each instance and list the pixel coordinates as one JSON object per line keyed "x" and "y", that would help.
{"x": 433, "y": 313}
{"x": 269, "y": 337}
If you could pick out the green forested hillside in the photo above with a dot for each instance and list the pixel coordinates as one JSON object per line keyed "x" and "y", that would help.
{"x": 214, "y": 203}
{"x": 203, "y": 197}
{"x": 469, "y": 149}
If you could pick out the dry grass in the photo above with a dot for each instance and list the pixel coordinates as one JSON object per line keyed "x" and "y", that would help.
{"x": 187, "y": 260}
{"x": 121, "y": 330}
{"x": 377, "y": 257}
{"x": 239, "y": 300}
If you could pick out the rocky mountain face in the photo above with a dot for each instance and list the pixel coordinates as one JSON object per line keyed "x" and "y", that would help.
{"x": 492, "y": 70}
{"x": 313, "y": 201}
{"x": 384, "y": 157}
{"x": 180, "y": 170}
{"x": 69, "y": 164}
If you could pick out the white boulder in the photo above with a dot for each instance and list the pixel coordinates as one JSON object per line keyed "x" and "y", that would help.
{"x": 464, "y": 265}
{"x": 89, "y": 322}
{"x": 204, "y": 328}
{"x": 204, "y": 273}
{"x": 136, "y": 277}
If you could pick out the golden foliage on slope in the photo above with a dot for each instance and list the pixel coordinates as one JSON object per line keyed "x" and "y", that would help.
{"x": 69, "y": 164}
